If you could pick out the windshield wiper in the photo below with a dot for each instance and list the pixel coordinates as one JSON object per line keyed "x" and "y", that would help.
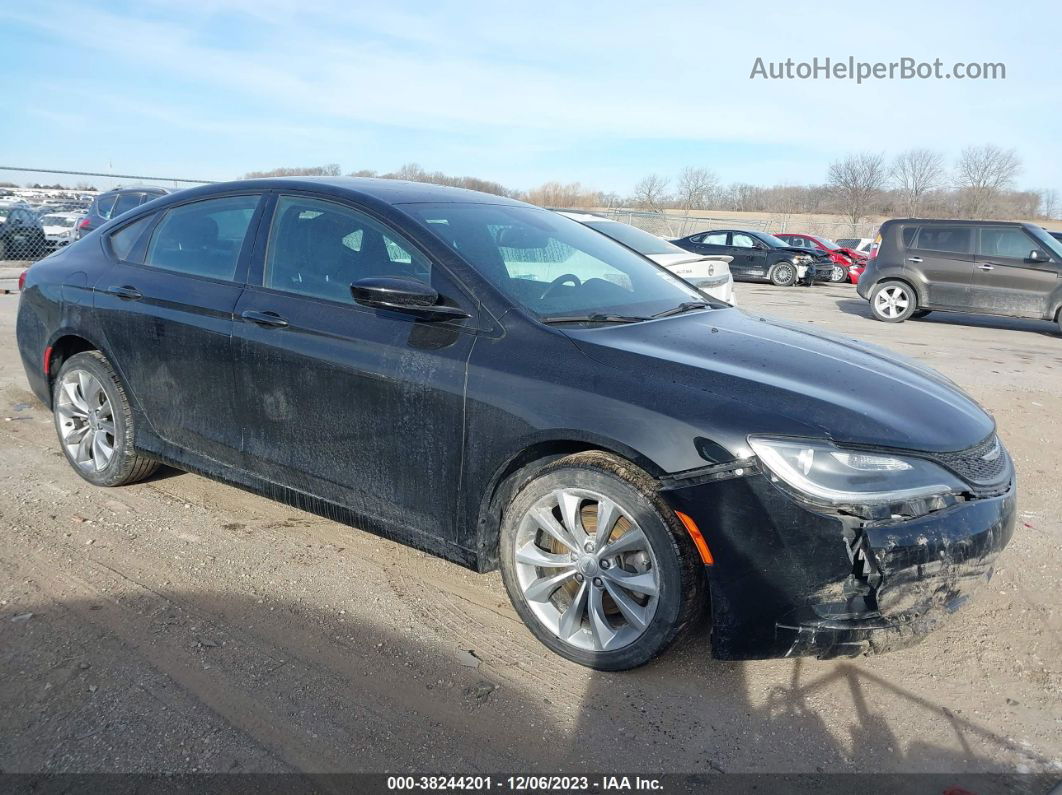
{"x": 686, "y": 306}
{"x": 594, "y": 318}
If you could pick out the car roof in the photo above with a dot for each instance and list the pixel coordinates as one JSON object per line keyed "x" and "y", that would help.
{"x": 135, "y": 189}
{"x": 955, "y": 222}
{"x": 385, "y": 191}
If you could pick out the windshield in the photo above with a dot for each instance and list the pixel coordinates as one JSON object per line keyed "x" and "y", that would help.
{"x": 828, "y": 244}
{"x": 1054, "y": 245}
{"x": 641, "y": 241}
{"x": 57, "y": 220}
{"x": 551, "y": 265}
{"x": 772, "y": 241}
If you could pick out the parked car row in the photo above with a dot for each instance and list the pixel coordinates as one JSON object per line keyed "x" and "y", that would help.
{"x": 31, "y": 232}
{"x": 758, "y": 255}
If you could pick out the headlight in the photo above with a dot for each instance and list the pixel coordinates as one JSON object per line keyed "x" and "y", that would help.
{"x": 827, "y": 475}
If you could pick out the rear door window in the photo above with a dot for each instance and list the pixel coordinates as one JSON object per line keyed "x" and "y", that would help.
{"x": 742, "y": 240}
{"x": 203, "y": 238}
{"x": 947, "y": 239}
{"x": 715, "y": 239}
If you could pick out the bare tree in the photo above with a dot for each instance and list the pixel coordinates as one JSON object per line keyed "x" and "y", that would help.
{"x": 856, "y": 180}
{"x": 695, "y": 186}
{"x": 555, "y": 194}
{"x": 915, "y": 173}
{"x": 983, "y": 173}
{"x": 650, "y": 192}
{"x": 1049, "y": 203}
{"x": 329, "y": 170}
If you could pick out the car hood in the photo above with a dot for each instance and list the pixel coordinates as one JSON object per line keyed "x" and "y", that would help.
{"x": 768, "y": 376}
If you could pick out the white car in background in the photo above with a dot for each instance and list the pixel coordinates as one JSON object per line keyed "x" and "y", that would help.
{"x": 709, "y": 274}
{"x": 59, "y": 228}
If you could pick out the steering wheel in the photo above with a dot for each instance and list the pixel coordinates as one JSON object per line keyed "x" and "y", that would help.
{"x": 564, "y": 277}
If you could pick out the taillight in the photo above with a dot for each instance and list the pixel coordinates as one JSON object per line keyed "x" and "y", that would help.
{"x": 84, "y": 224}
{"x": 22, "y": 279}
{"x": 874, "y": 247}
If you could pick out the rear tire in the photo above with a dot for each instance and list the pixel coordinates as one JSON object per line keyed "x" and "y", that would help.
{"x": 893, "y": 302}
{"x": 783, "y": 274}
{"x": 95, "y": 423}
{"x": 570, "y": 585}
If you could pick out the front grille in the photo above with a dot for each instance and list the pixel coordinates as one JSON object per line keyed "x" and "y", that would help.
{"x": 972, "y": 465}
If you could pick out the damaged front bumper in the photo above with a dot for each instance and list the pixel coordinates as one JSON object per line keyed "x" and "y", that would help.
{"x": 789, "y": 580}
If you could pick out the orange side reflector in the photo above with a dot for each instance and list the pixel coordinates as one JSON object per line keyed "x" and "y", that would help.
{"x": 698, "y": 539}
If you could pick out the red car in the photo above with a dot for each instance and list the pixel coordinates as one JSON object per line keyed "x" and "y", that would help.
{"x": 850, "y": 263}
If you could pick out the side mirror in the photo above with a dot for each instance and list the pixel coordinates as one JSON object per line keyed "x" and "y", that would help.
{"x": 403, "y": 295}
{"x": 1036, "y": 256}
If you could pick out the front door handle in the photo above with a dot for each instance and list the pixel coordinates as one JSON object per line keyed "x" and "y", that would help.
{"x": 987, "y": 266}
{"x": 268, "y": 319}
{"x": 914, "y": 259}
{"x": 125, "y": 292}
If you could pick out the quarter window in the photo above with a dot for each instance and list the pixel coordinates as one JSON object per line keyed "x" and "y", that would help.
{"x": 320, "y": 248}
{"x": 949, "y": 239}
{"x": 1004, "y": 242}
{"x": 123, "y": 240}
{"x": 104, "y": 205}
{"x": 203, "y": 238}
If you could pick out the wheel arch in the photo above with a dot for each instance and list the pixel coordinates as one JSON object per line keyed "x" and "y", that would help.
{"x": 903, "y": 279}
{"x": 62, "y": 345}
{"x": 521, "y": 466}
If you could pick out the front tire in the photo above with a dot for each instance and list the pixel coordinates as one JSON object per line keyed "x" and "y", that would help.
{"x": 610, "y": 600}
{"x": 838, "y": 274}
{"x": 893, "y": 302}
{"x": 95, "y": 423}
{"x": 783, "y": 274}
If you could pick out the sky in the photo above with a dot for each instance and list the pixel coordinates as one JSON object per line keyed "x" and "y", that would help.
{"x": 519, "y": 93}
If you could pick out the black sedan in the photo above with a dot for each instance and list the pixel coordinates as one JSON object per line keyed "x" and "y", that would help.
{"x": 504, "y": 387}
{"x": 757, "y": 256}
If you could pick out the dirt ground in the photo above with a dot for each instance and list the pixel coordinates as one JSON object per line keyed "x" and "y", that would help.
{"x": 182, "y": 625}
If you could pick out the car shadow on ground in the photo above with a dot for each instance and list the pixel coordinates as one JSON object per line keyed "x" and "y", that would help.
{"x": 861, "y": 308}
{"x": 175, "y": 681}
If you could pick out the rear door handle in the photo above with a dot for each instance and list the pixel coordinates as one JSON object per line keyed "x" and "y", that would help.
{"x": 125, "y": 292}
{"x": 914, "y": 259}
{"x": 268, "y": 319}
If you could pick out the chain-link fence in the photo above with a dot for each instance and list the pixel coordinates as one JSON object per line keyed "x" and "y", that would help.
{"x": 42, "y": 210}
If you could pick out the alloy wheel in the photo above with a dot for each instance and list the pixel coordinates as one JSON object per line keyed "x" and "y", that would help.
{"x": 86, "y": 420}
{"x": 838, "y": 274}
{"x": 586, "y": 570}
{"x": 892, "y": 302}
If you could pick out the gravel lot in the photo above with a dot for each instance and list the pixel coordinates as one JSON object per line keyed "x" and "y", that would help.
{"x": 183, "y": 625}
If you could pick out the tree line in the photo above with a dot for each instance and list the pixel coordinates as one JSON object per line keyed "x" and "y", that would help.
{"x": 917, "y": 182}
